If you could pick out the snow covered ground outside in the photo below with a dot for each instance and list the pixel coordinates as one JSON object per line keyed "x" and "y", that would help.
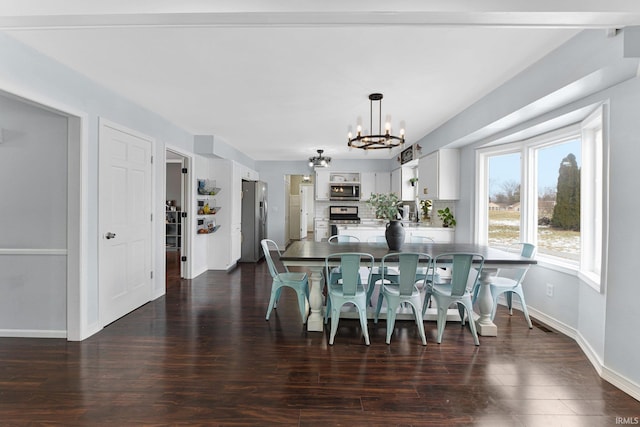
{"x": 564, "y": 244}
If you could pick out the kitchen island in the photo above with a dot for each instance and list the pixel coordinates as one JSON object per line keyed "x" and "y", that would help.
{"x": 368, "y": 229}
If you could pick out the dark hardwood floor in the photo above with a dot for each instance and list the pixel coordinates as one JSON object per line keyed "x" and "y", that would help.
{"x": 204, "y": 355}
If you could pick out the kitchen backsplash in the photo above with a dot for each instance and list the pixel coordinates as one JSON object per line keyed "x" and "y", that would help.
{"x": 365, "y": 211}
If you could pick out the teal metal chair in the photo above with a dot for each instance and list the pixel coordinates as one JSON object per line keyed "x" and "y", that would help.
{"x": 351, "y": 289}
{"x": 465, "y": 269}
{"x": 422, "y": 272}
{"x": 421, "y": 239}
{"x": 338, "y": 239}
{"x": 402, "y": 288}
{"x": 376, "y": 273}
{"x": 342, "y": 238}
{"x": 501, "y": 284}
{"x": 298, "y": 281}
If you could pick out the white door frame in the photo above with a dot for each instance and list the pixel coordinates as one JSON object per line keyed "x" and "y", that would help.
{"x": 187, "y": 198}
{"x": 78, "y": 326}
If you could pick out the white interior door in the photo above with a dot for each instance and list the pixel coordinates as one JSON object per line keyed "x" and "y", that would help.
{"x": 303, "y": 212}
{"x": 310, "y": 196}
{"x": 124, "y": 222}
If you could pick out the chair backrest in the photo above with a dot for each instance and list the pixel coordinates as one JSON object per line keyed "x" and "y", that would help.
{"x": 421, "y": 239}
{"x": 377, "y": 239}
{"x": 465, "y": 269}
{"x": 350, "y": 263}
{"x": 527, "y": 250}
{"x": 266, "y": 244}
{"x": 408, "y": 264}
{"x": 342, "y": 238}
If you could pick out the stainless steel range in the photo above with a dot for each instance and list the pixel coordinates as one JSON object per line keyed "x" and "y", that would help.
{"x": 342, "y": 215}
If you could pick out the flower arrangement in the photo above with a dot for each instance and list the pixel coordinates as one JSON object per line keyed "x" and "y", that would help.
{"x": 385, "y": 205}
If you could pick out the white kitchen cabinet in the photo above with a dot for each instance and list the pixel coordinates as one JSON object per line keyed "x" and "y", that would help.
{"x": 439, "y": 235}
{"x": 439, "y": 175}
{"x": 400, "y": 184}
{"x": 366, "y": 232}
{"x": 374, "y": 182}
{"x": 322, "y": 184}
{"x": 320, "y": 229}
{"x": 396, "y": 181}
{"x": 367, "y": 185}
{"x": 383, "y": 182}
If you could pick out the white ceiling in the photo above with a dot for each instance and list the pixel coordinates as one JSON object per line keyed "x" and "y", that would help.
{"x": 280, "y": 79}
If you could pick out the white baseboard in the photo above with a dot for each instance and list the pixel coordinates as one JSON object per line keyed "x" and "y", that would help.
{"x": 629, "y": 387}
{"x": 617, "y": 380}
{"x": 32, "y": 333}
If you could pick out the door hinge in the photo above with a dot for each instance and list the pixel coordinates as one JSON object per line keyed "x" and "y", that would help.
{"x": 151, "y": 217}
{"x": 184, "y": 214}
{"x": 151, "y": 159}
{"x": 185, "y": 170}
{"x": 152, "y": 274}
{"x": 183, "y": 259}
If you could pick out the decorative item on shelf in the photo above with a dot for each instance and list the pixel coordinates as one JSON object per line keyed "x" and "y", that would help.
{"x": 386, "y": 207}
{"x": 425, "y": 209}
{"x": 319, "y": 161}
{"x": 447, "y": 217}
{"x": 207, "y": 208}
{"x": 375, "y": 141}
{"x": 207, "y": 187}
{"x": 413, "y": 181}
{"x": 207, "y": 226}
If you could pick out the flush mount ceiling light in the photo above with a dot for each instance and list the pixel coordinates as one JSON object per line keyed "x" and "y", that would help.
{"x": 319, "y": 161}
{"x": 375, "y": 142}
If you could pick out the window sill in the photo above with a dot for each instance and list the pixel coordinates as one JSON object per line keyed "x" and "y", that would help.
{"x": 558, "y": 265}
{"x": 590, "y": 279}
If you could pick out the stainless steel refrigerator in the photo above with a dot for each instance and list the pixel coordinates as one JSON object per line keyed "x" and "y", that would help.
{"x": 254, "y": 219}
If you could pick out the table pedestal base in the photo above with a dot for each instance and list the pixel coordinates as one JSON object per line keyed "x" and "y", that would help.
{"x": 315, "y": 321}
{"x": 484, "y": 324}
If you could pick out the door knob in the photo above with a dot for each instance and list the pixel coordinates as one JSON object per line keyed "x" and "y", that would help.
{"x": 110, "y": 235}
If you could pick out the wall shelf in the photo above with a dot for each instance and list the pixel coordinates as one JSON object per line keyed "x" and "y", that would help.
{"x": 173, "y": 230}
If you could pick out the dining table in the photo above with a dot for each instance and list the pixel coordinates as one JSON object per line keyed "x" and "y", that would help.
{"x": 311, "y": 255}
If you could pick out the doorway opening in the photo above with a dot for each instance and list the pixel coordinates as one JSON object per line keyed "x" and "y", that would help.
{"x": 176, "y": 215}
{"x": 301, "y": 203}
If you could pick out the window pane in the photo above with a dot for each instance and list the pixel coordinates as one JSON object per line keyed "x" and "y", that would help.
{"x": 504, "y": 200}
{"x": 559, "y": 200}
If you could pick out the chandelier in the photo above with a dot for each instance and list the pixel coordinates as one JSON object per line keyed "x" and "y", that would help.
{"x": 375, "y": 142}
{"x": 319, "y": 161}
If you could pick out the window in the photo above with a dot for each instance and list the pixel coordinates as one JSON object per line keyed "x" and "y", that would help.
{"x": 504, "y": 199}
{"x": 548, "y": 191}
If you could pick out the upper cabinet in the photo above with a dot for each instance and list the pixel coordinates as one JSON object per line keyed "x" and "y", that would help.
{"x": 439, "y": 175}
{"x": 401, "y": 184}
{"x": 374, "y": 182}
{"x": 322, "y": 184}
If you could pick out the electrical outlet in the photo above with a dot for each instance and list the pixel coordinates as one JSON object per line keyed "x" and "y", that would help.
{"x": 549, "y": 289}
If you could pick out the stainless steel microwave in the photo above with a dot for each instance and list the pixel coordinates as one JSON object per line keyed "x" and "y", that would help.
{"x": 344, "y": 191}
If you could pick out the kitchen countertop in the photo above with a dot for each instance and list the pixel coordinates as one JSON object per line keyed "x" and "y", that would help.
{"x": 375, "y": 223}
